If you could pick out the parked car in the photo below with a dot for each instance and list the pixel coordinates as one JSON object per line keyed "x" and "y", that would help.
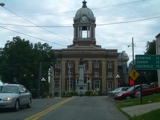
{"x": 117, "y": 90}
{"x": 131, "y": 92}
{"x": 14, "y": 96}
{"x": 1, "y": 83}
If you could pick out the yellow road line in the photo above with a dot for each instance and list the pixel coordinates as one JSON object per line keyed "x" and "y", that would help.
{"x": 42, "y": 113}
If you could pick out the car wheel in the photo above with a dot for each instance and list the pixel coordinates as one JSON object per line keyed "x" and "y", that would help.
{"x": 17, "y": 106}
{"x": 29, "y": 104}
{"x": 128, "y": 97}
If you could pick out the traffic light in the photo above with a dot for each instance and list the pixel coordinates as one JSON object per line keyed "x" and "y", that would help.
{"x": 87, "y": 75}
{"x": 24, "y": 75}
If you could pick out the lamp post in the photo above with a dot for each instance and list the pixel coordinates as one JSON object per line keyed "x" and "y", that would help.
{"x": 88, "y": 81}
{"x": 49, "y": 75}
{"x": 42, "y": 81}
{"x": 118, "y": 79}
{"x": 2, "y": 4}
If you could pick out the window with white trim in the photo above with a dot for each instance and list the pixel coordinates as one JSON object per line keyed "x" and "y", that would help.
{"x": 71, "y": 84}
{"x": 70, "y": 64}
{"x": 57, "y": 74}
{"x": 57, "y": 65}
{"x": 96, "y": 74}
{"x": 56, "y": 84}
{"x": 110, "y": 85}
{"x": 109, "y": 74}
{"x": 96, "y": 64}
{"x": 110, "y": 64}
{"x": 70, "y": 74}
{"x": 96, "y": 84}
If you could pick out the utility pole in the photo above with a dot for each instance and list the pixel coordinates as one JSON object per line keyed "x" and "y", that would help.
{"x": 52, "y": 73}
{"x": 60, "y": 78}
{"x": 39, "y": 79}
{"x": 133, "y": 61}
{"x": 69, "y": 74}
{"x": 133, "y": 52}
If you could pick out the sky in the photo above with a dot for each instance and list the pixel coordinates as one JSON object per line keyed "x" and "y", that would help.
{"x": 51, "y": 21}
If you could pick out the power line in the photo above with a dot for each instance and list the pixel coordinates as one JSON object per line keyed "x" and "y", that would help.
{"x": 119, "y": 4}
{"x": 129, "y": 21}
{"x": 36, "y": 24}
{"x": 90, "y": 8}
{"x": 31, "y": 36}
{"x": 96, "y": 24}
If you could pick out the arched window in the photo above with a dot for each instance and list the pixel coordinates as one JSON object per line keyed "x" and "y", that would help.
{"x": 96, "y": 64}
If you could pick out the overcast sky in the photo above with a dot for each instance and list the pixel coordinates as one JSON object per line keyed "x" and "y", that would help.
{"x": 117, "y": 21}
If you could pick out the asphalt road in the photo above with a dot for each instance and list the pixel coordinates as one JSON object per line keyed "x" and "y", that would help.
{"x": 74, "y": 108}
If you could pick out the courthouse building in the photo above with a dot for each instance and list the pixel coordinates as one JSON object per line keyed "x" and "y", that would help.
{"x": 84, "y": 65}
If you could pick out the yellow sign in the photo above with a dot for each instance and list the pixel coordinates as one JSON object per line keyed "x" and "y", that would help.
{"x": 134, "y": 74}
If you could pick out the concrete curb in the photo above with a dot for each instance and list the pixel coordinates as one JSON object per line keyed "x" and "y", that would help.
{"x": 141, "y": 109}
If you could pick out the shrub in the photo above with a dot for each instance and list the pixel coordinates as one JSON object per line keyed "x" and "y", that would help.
{"x": 71, "y": 93}
{"x": 91, "y": 93}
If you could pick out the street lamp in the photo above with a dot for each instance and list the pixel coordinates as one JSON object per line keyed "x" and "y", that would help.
{"x": 88, "y": 81}
{"x": 43, "y": 80}
{"x": 2, "y": 4}
{"x": 118, "y": 79}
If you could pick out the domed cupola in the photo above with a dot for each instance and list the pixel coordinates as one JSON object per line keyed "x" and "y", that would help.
{"x": 84, "y": 28}
{"x": 84, "y": 11}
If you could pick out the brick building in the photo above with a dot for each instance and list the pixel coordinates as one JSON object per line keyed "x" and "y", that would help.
{"x": 100, "y": 65}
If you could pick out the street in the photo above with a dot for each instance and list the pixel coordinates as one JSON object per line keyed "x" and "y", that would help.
{"x": 73, "y": 108}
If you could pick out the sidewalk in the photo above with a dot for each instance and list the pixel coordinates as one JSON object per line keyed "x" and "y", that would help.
{"x": 141, "y": 109}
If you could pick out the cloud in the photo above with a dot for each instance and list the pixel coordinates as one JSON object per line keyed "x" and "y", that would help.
{"x": 110, "y": 36}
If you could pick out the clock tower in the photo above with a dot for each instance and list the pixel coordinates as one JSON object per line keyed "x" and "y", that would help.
{"x": 84, "y": 28}
{"x": 84, "y": 65}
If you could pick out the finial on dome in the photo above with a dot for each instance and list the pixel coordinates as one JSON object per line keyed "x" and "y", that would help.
{"x": 84, "y": 4}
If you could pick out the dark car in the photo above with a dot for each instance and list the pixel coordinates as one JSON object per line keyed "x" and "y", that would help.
{"x": 14, "y": 96}
{"x": 131, "y": 92}
{"x": 117, "y": 90}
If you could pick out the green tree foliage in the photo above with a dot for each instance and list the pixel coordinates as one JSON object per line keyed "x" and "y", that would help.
{"x": 20, "y": 62}
{"x": 151, "y": 48}
{"x": 151, "y": 75}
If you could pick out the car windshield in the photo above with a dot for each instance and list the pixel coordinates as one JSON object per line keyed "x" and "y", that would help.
{"x": 8, "y": 89}
{"x": 130, "y": 89}
{"x": 117, "y": 89}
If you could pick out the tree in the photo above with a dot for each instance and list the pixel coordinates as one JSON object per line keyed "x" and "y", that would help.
{"x": 151, "y": 48}
{"x": 20, "y": 62}
{"x": 151, "y": 75}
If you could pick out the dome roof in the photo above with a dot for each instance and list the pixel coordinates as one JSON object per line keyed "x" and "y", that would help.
{"x": 84, "y": 11}
{"x": 123, "y": 56}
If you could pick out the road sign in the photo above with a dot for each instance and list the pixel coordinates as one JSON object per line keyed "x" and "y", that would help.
{"x": 134, "y": 74}
{"x": 147, "y": 62}
{"x": 131, "y": 82}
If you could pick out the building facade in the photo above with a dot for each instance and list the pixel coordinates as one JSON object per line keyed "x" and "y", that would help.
{"x": 99, "y": 69}
{"x": 158, "y": 53}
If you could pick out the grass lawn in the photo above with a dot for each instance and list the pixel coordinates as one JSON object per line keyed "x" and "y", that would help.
{"x": 153, "y": 115}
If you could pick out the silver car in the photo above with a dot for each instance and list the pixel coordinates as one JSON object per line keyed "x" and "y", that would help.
{"x": 117, "y": 90}
{"x": 14, "y": 96}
